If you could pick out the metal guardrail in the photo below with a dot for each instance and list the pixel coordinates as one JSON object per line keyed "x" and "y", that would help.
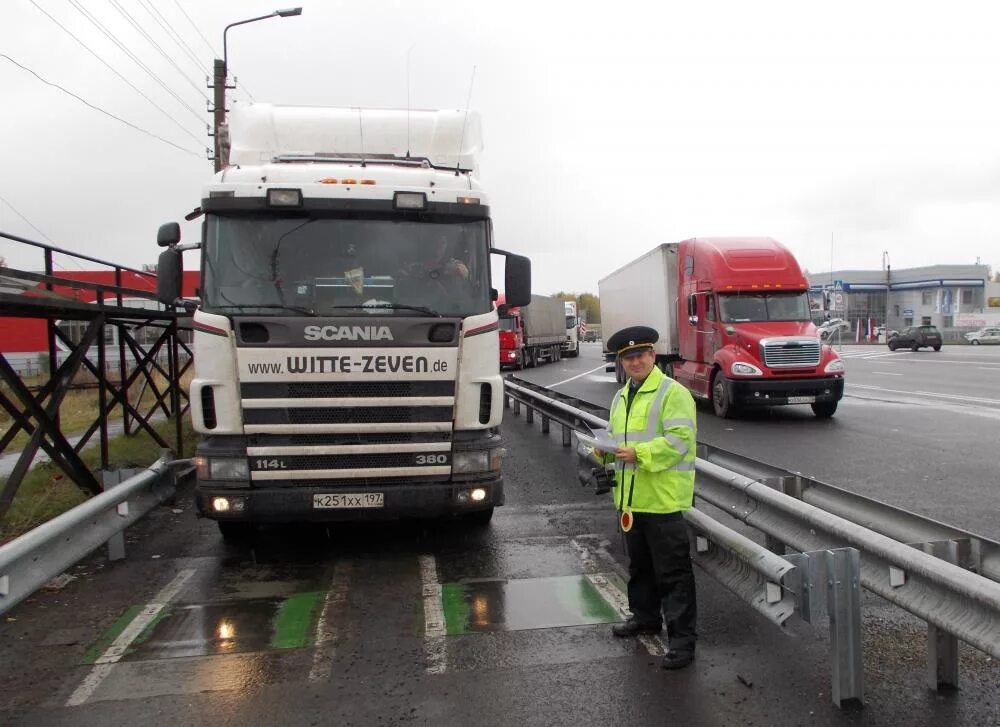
{"x": 929, "y": 582}
{"x": 33, "y": 559}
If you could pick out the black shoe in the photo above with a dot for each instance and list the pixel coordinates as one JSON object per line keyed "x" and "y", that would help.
{"x": 675, "y": 659}
{"x": 633, "y": 628}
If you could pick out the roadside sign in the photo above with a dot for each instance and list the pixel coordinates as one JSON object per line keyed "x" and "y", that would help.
{"x": 908, "y": 312}
{"x": 838, "y": 284}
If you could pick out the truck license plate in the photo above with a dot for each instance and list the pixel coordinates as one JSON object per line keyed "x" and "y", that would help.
{"x": 348, "y": 501}
{"x": 801, "y": 399}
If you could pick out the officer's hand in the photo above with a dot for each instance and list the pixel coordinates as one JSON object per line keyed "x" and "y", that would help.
{"x": 626, "y": 454}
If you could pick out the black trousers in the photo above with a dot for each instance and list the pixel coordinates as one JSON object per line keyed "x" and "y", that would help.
{"x": 661, "y": 578}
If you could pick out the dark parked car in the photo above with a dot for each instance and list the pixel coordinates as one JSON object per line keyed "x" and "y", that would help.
{"x": 916, "y": 337}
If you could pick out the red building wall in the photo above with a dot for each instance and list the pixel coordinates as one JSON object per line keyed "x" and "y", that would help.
{"x": 28, "y": 335}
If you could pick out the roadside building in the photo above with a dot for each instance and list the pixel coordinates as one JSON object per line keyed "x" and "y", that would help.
{"x": 24, "y": 341}
{"x": 955, "y": 298}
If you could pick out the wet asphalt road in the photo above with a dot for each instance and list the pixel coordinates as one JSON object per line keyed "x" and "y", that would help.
{"x": 439, "y": 623}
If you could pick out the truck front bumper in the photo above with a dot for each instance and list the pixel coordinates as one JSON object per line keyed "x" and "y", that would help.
{"x": 772, "y": 392}
{"x": 295, "y": 503}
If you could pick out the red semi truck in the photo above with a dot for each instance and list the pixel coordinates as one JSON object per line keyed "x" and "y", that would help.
{"x": 531, "y": 334}
{"x": 734, "y": 323}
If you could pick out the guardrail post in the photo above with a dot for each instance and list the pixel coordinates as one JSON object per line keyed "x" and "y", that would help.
{"x": 830, "y": 580}
{"x": 567, "y": 436}
{"x": 517, "y": 407}
{"x": 110, "y": 478}
{"x": 942, "y": 647}
{"x": 843, "y": 598}
{"x": 506, "y": 401}
{"x": 529, "y": 414}
{"x": 545, "y": 424}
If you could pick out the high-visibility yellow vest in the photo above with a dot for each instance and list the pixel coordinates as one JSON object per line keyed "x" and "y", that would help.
{"x": 660, "y": 425}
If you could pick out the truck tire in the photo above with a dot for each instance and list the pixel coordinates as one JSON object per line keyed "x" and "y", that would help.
{"x": 237, "y": 532}
{"x": 573, "y": 354}
{"x": 938, "y": 347}
{"x": 721, "y": 403}
{"x": 824, "y": 409}
{"x": 530, "y": 358}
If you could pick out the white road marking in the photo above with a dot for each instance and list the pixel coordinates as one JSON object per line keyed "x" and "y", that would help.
{"x": 326, "y": 635}
{"x": 956, "y": 397}
{"x": 612, "y": 593}
{"x": 434, "y": 625}
{"x": 105, "y": 663}
{"x": 574, "y": 378}
{"x": 887, "y": 373}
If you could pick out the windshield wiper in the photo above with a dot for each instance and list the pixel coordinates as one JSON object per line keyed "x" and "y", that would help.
{"x": 279, "y": 306}
{"x": 392, "y": 306}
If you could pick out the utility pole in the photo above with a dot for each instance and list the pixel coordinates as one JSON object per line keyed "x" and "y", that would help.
{"x": 219, "y": 112}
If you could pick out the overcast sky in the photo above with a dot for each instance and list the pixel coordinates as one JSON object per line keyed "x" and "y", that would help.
{"x": 609, "y": 128}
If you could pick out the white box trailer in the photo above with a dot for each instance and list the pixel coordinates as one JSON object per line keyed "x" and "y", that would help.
{"x": 643, "y": 293}
{"x": 544, "y": 321}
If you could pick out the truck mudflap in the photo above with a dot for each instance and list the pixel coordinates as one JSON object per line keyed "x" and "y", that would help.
{"x": 773, "y": 392}
{"x": 319, "y": 503}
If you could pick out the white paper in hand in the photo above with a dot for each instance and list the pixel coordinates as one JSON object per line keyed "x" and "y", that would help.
{"x": 599, "y": 440}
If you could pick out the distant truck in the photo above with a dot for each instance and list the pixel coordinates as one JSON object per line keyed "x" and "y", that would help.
{"x": 571, "y": 346}
{"x": 734, "y": 323}
{"x": 531, "y": 334}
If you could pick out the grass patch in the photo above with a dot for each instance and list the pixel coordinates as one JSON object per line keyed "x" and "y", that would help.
{"x": 46, "y": 492}
{"x": 79, "y": 407}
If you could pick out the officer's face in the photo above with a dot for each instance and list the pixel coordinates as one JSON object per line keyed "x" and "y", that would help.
{"x": 638, "y": 365}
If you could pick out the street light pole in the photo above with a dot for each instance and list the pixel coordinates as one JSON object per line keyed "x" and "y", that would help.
{"x": 220, "y": 78}
{"x": 888, "y": 287}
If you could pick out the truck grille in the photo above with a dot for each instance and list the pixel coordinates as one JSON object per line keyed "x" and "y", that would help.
{"x": 348, "y": 434}
{"x": 783, "y": 353}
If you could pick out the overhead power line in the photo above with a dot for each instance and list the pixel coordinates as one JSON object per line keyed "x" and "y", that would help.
{"x": 172, "y": 33}
{"x": 215, "y": 53}
{"x": 97, "y": 108}
{"x": 30, "y": 224}
{"x": 111, "y": 68}
{"x": 135, "y": 59}
{"x": 135, "y": 24}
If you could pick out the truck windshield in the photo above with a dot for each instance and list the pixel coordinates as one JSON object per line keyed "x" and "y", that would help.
{"x": 742, "y": 307}
{"x": 270, "y": 265}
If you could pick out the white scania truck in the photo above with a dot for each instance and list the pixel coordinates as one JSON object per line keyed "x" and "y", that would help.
{"x": 346, "y": 344}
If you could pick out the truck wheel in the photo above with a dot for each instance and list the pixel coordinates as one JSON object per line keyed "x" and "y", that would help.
{"x": 573, "y": 354}
{"x": 824, "y": 409}
{"x": 721, "y": 403}
{"x": 619, "y": 372}
{"x": 938, "y": 347}
{"x": 914, "y": 348}
{"x": 892, "y": 345}
{"x": 237, "y": 532}
{"x": 530, "y": 358}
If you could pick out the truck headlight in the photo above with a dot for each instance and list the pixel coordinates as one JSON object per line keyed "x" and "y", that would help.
{"x": 834, "y": 367}
{"x": 227, "y": 468}
{"x": 484, "y": 460}
{"x": 742, "y": 368}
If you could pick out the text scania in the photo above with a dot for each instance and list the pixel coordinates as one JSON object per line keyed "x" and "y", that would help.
{"x": 347, "y": 333}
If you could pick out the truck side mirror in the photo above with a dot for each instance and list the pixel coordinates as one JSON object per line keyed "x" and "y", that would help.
{"x": 168, "y": 234}
{"x": 502, "y": 310}
{"x": 517, "y": 279}
{"x": 168, "y": 275}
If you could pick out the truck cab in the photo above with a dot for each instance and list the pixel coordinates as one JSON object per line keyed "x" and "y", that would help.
{"x": 346, "y": 339}
{"x": 571, "y": 346}
{"x": 745, "y": 336}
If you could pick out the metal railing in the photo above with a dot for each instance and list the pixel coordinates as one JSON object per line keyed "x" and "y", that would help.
{"x": 33, "y": 559}
{"x": 846, "y": 541}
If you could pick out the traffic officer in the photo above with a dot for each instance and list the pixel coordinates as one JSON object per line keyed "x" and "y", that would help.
{"x": 653, "y": 422}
